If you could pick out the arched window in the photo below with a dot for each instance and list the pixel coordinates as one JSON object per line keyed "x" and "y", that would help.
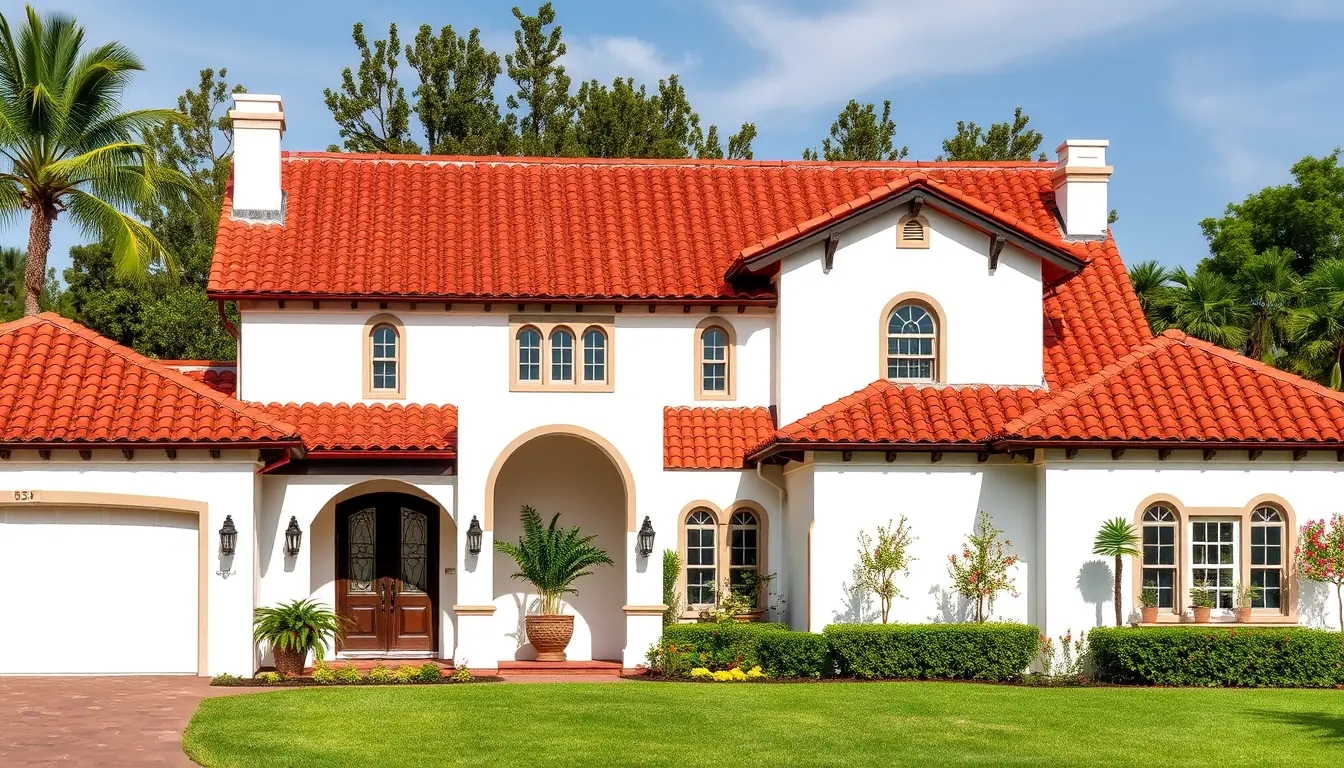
{"x": 384, "y": 357}
{"x": 529, "y": 355}
{"x": 594, "y": 356}
{"x": 743, "y": 549}
{"x": 1159, "y": 554}
{"x": 562, "y": 355}
{"x": 912, "y": 232}
{"x": 912, "y": 344}
{"x": 702, "y": 560}
{"x": 1267, "y": 544}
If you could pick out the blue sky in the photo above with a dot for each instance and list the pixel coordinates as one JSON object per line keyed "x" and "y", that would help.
{"x": 1204, "y": 101}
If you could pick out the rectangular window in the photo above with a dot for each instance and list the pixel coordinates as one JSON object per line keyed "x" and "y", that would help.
{"x": 715, "y": 378}
{"x": 384, "y": 374}
{"x": 1267, "y": 564}
{"x": 1213, "y": 559}
{"x": 1159, "y": 562}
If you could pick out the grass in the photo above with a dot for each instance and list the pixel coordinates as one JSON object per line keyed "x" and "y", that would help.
{"x": 684, "y": 725}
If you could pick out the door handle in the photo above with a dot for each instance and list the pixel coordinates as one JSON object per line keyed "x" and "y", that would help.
{"x": 393, "y": 587}
{"x": 382, "y": 605}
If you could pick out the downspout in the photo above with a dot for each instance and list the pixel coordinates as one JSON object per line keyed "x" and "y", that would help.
{"x": 783, "y": 522}
{"x": 278, "y": 463}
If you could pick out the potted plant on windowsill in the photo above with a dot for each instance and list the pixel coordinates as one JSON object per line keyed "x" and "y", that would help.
{"x": 1148, "y": 601}
{"x": 294, "y": 629}
{"x": 551, "y": 559}
{"x": 1201, "y": 602}
{"x": 1246, "y": 595}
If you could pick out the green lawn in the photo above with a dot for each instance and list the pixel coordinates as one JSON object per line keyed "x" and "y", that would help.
{"x": 839, "y": 724}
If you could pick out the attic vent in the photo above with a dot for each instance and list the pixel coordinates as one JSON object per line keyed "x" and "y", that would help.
{"x": 913, "y": 233}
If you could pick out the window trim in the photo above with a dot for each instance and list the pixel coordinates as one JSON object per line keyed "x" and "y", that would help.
{"x": 573, "y": 356}
{"x": 940, "y": 333}
{"x": 581, "y": 356}
{"x": 698, "y": 359}
{"x": 546, "y": 326}
{"x": 1286, "y": 613}
{"x": 901, "y": 242}
{"x": 722, "y": 523}
{"x": 372, "y": 324}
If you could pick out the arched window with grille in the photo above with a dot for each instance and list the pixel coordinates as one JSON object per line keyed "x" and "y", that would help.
{"x": 715, "y": 366}
{"x": 529, "y": 354}
{"x": 1159, "y": 553}
{"x": 594, "y": 356}
{"x": 743, "y": 548}
{"x": 912, "y": 343}
{"x": 702, "y": 557}
{"x": 1267, "y": 557}
{"x": 562, "y": 356}
{"x": 384, "y": 358}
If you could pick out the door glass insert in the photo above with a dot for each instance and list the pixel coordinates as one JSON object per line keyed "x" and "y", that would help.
{"x": 414, "y": 550}
{"x": 363, "y": 534}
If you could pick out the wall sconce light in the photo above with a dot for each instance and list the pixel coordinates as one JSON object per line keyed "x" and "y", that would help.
{"x": 474, "y": 536}
{"x": 293, "y": 537}
{"x": 644, "y": 547}
{"x": 228, "y": 537}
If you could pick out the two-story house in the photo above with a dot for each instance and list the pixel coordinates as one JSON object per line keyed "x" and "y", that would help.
{"x": 755, "y": 361}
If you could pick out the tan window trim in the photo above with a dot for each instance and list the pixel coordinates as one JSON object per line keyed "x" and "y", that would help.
{"x": 902, "y": 242}
{"x": 367, "y": 361}
{"x": 722, "y": 546}
{"x": 730, "y": 361}
{"x": 1285, "y": 614}
{"x": 578, "y": 326}
{"x": 930, "y": 305}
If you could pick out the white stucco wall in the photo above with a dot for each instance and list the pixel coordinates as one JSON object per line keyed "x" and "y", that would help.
{"x": 226, "y": 485}
{"x": 993, "y": 323}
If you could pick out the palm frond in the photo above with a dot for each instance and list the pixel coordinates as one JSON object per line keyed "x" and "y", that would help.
{"x": 1117, "y": 538}
{"x": 552, "y": 558}
{"x": 299, "y": 625}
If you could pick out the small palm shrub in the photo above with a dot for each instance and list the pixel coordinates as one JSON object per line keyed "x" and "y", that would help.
{"x": 298, "y": 626}
{"x": 1118, "y": 539}
{"x": 552, "y": 558}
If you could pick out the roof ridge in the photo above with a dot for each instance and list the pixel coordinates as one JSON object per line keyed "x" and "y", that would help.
{"x": 1028, "y": 165}
{"x": 232, "y": 404}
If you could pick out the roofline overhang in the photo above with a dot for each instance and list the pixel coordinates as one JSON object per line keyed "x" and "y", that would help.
{"x": 784, "y": 446}
{"x": 1044, "y": 250}
{"x": 1008, "y": 446}
{"x": 147, "y": 444}
{"x": 697, "y": 301}
{"x": 389, "y": 453}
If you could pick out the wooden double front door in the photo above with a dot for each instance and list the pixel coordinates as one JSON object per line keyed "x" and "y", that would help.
{"x": 387, "y": 586}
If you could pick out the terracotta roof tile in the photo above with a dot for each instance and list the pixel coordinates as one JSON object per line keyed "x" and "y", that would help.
{"x": 221, "y": 376}
{"x": 63, "y": 383}
{"x": 371, "y": 427}
{"x": 712, "y": 438}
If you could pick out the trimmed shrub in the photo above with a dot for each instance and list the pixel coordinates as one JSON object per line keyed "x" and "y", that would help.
{"x": 1260, "y": 657}
{"x": 933, "y": 651}
{"x": 716, "y": 646}
{"x": 795, "y": 654}
{"x": 430, "y": 672}
{"x": 347, "y": 673}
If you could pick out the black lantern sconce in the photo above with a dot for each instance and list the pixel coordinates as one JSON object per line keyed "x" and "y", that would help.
{"x": 293, "y": 537}
{"x": 644, "y": 547}
{"x": 228, "y": 537}
{"x": 474, "y": 536}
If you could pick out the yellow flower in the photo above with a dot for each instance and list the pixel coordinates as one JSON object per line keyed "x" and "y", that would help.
{"x": 701, "y": 672}
{"x": 722, "y": 676}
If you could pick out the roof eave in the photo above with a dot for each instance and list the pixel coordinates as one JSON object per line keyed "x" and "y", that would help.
{"x": 695, "y": 301}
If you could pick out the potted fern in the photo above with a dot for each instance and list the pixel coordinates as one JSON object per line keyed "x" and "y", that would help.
{"x": 293, "y": 629}
{"x": 551, "y": 559}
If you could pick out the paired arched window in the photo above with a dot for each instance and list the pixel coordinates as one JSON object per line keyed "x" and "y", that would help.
{"x": 702, "y": 558}
{"x": 721, "y": 551}
{"x": 912, "y": 343}
{"x": 715, "y": 369}
{"x": 384, "y": 358}
{"x": 561, "y": 353}
{"x": 1267, "y": 557}
{"x": 743, "y": 548}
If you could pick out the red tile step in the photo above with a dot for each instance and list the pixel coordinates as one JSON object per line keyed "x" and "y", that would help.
{"x": 561, "y": 668}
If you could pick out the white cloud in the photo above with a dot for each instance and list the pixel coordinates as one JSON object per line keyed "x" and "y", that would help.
{"x": 605, "y": 58}
{"x": 1256, "y": 128}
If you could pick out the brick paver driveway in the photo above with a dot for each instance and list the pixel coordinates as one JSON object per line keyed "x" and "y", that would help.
{"x": 98, "y": 721}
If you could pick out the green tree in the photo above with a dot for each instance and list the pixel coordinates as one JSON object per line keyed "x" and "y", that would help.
{"x": 455, "y": 100}
{"x": 1207, "y": 307}
{"x": 72, "y": 150}
{"x": 545, "y": 110}
{"x": 859, "y": 134}
{"x": 1151, "y": 283}
{"x": 1269, "y": 286}
{"x": 1119, "y": 540}
{"x": 370, "y": 107}
{"x": 881, "y": 561}
{"x": 1003, "y": 141}
{"x": 1317, "y": 326}
{"x": 13, "y": 271}
{"x": 982, "y": 571}
{"x": 625, "y": 121}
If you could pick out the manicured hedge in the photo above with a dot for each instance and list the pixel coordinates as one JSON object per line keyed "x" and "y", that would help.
{"x": 1212, "y": 656}
{"x": 933, "y": 651}
{"x": 795, "y": 654}
{"x": 720, "y": 646}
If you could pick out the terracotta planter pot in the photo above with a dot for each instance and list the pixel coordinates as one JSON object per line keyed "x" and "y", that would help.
{"x": 549, "y": 635}
{"x": 1148, "y": 615}
{"x": 289, "y": 663}
{"x": 1201, "y": 615}
{"x": 1243, "y": 615}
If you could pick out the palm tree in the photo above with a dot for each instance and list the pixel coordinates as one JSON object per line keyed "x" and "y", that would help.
{"x": 1207, "y": 307}
{"x": 1269, "y": 285}
{"x": 13, "y": 264}
{"x": 1150, "y": 281}
{"x": 1317, "y": 327}
{"x": 1117, "y": 539}
{"x": 70, "y": 148}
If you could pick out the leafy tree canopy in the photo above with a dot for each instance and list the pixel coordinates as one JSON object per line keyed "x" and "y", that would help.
{"x": 1003, "y": 141}
{"x": 859, "y": 134}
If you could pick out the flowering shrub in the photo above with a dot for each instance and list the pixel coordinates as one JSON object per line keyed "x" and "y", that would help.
{"x": 1065, "y": 663}
{"x": 347, "y": 674}
{"x": 323, "y": 674}
{"x": 380, "y": 674}
{"x": 461, "y": 674}
{"x": 406, "y": 673}
{"x": 268, "y": 678}
{"x": 1321, "y": 553}
{"x": 880, "y": 562}
{"x": 734, "y": 675}
{"x": 982, "y": 571}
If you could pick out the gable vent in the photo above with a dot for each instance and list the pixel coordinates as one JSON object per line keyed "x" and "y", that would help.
{"x": 913, "y": 230}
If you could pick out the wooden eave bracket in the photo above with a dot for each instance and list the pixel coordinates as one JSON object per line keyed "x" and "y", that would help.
{"x": 996, "y": 242}
{"x": 916, "y": 205}
{"x": 828, "y": 259}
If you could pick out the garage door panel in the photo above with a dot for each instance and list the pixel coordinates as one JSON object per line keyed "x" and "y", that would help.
{"x": 94, "y": 591}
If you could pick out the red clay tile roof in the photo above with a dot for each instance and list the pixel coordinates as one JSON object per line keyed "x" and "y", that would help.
{"x": 712, "y": 438}
{"x": 885, "y": 412}
{"x": 221, "y": 376}
{"x": 371, "y": 225}
{"x": 376, "y": 427}
{"x": 1092, "y": 318}
{"x": 62, "y": 383}
{"x": 1179, "y": 388}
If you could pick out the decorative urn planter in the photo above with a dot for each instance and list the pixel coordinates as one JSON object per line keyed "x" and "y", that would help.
{"x": 1148, "y": 615}
{"x": 549, "y": 635}
{"x": 1201, "y": 614}
{"x": 1243, "y": 615}
{"x": 289, "y": 663}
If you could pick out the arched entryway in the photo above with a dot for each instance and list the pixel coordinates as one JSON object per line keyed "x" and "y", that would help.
{"x": 578, "y": 475}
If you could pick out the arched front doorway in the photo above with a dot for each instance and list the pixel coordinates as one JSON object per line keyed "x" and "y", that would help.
{"x": 573, "y": 473}
{"x": 387, "y": 585}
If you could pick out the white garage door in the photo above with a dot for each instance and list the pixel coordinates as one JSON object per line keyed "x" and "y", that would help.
{"x": 93, "y": 591}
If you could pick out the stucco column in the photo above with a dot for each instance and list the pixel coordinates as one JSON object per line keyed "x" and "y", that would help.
{"x": 475, "y": 603}
{"x": 231, "y": 585}
{"x": 644, "y": 601}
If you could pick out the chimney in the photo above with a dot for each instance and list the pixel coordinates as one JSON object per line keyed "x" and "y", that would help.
{"x": 258, "y": 123}
{"x": 1080, "y": 187}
